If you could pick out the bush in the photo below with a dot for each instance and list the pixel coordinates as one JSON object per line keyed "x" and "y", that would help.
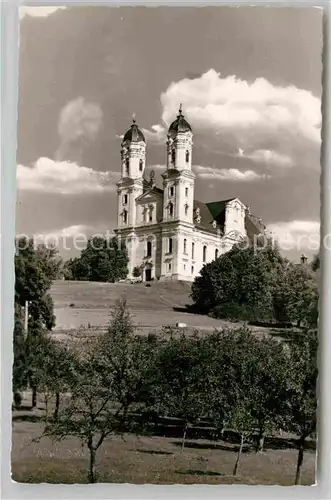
{"x": 241, "y": 312}
{"x": 136, "y": 272}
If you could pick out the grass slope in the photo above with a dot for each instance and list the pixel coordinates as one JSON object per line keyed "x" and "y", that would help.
{"x": 88, "y": 303}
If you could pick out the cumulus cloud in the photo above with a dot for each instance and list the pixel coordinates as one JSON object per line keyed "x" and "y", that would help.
{"x": 267, "y": 156}
{"x": 268, "y": 123}
{"x": 231, "y": 103}
{"x": 64, "y": 177}
{"x": 231, "y": 174}
{"x": 66, "y": 232}
{"x": 39, "y": 11}
{"x": 78, "y": 125}
{"x": 157, "y": 133}
{"x": 298, "y": 235}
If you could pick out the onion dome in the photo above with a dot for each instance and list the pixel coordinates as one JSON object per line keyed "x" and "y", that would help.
{"x": 180, "y": 125}
{"x": 134, "y": 134}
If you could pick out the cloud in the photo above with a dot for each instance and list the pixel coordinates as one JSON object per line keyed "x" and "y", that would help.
{"x": 234, "y": 104}
{"x": 39, "y": 11}
{"x": 64, "y": 177}
{"x": 72, "y": 238}
{"x": 231, "y": 174}
{"x": 156, "y": 134}
{"x": 78, "y": 125}
{"x": 298, "y": 235}
{"x": 266, "y": 156}
{"x": 266, "y": 122}
{"x": 66, "y": 232}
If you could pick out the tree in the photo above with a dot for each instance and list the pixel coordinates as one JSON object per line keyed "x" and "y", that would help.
{"x": 20, "y": 356}
{"x": 108, "y": 380}
{"x": 241, "y": 419}
{"x": 267, "y": 379}
{"x": 246, "y": 379}
{"x": 103, "y": 260}
{"x": 296, "y": 295}
{"x": 301, "y": 391}
{"x": 36, "y": 266}
{"x": 179, "y": 380}
{"x": 53, "y": 368}
{"x": 239, "y": 284}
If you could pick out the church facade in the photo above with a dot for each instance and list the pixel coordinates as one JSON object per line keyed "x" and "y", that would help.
{"x": 169, "y": 235}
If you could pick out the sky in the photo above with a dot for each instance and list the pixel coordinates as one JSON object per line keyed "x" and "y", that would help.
{"x": 249, "y": 79}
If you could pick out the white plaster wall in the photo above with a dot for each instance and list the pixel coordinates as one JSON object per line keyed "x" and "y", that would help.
{"x": 235, "y": 217}
{"x": 183, "y": 143}
{"x": 133, "y": 189}
{"x": 138, "y": 248}
{"x": 135, "y": 152}
{"x": 185, "y": 181}
{"x": 157, "y": 208}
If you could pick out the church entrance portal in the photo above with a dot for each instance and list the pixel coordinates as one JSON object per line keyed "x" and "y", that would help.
{"x": 148, "y": 275}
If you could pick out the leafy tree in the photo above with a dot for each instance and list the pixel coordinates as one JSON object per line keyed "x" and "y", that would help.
{"x": 247, "y": 384}
{"x": 53, "y": 368}
{"x": 179, "y": 380}
{"x": 229, "y": 378}
{"x": 108, "y": 380}
{"x": 301, "y": 391}
{"x": 36, "y": 266}
{"x": 296, "y": 295}
{"x": 241, "y": 419}
{"x": 239, "y": 284}
{"x": 267, "y": 378}
{"x": 20, "y": 357}
{"x": 102, "y": 260}
{"x": 257, "y": 284}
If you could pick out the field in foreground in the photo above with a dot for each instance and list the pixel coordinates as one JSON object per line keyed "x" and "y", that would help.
{"x": 157, "y": 460}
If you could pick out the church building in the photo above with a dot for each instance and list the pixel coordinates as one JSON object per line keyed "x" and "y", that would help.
{"x": 167, "y": 232}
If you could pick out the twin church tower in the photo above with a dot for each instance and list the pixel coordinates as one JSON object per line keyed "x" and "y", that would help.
{"x": 168, "y": 234}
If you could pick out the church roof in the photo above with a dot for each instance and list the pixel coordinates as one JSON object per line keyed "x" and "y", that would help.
{"x": 179, "y": 125}
{"x": 216, "y": 211}
{"x": 206, "y": 215}
{"x": 210, "y": 212}
{"x": 134, "y": 134}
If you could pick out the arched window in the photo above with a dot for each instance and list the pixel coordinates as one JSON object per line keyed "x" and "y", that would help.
{"x": 149, "y": 249}
{"x": 204, "y": 253}
{"x": 127, "y": 166}
{"x": 186, "y": 209}
{"x": 216, "y": 253}
{"x": 125, "y": 216}
{"x": 185, "y": 246}
{"x": 187, "y": 156}
{"x": 192, "y": 250}
{"x": 171, "y": 210}
{"x": 141, "y": 164}
{"x": 173, "y": 156}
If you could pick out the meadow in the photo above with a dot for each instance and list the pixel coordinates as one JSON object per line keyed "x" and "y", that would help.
{"x": 148, "y": 458}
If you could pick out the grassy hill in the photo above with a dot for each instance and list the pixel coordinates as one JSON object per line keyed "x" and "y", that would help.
{"x": 92, "y": 295}
{"x": 87, "y": 304}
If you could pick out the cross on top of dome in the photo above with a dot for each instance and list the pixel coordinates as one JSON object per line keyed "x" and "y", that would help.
{"x": 180, "y": 125}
